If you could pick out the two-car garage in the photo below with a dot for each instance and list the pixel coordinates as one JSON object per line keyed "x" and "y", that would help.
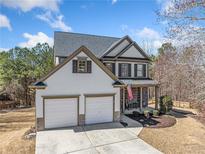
{"x": 67, "y": 96}
{"x": 63, "y": 111}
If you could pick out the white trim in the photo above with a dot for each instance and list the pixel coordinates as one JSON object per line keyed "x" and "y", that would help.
{"x": 123, "y": 96}
{"x": 140, "y": 98}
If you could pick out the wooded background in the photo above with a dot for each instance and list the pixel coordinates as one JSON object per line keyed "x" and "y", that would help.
{"x": 20, "y": 67}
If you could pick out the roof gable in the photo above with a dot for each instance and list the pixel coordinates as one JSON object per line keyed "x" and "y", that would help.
{"x": 117, "y": 47}
{"x": 133, "y": 51}
{"x": 75, "y": 53}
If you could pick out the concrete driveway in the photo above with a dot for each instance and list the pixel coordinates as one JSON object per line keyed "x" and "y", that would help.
{"x": 109, "y": 138}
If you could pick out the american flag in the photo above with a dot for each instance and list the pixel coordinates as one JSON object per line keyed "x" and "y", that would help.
{"x": 129, "y": 91}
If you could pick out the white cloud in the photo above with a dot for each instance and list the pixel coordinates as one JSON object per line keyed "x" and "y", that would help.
{"x": 27, "y": 5}
{"x": 151, "y": 36}
{"x": 4, "y": 22}
{"x": 148, "y": 33}
{"x": 167, "y": 5}
{"x": 55, "y": 21}
{"x": 157, "y": 44}
{"x": 145, "y": 35}
{"x": 114, "y": 1}
{"x": 4, "y": 49}
{"x": 32, "y": 40}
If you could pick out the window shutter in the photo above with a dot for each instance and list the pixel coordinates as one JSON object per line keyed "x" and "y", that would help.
{"x": 119, "y": 70}
{"x": 129, "y": 70}
{"x": 89, "y": 66}
{"x": 75, "y": 63}
{"x": 135, "y": 68}
{"x": 113, "y": 68}
{"x": 144, "y": 70}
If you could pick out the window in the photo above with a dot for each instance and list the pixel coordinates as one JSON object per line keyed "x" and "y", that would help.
{"x": 111, "y": 67}
{"x": 125, "y": 70}
{"x": 140, "y": 70}
{"x": 82, "y": 67}
{"x": 61, "y": 59}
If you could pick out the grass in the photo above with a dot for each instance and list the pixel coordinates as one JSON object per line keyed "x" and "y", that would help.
{"x": 187, "y": 136}
{"x": 13, "y": 125}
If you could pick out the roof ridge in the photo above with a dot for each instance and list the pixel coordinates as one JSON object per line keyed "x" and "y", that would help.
{"x": 87, "y": 34}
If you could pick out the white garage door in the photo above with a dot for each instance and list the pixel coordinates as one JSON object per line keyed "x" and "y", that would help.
{"x": 61, "y": 112}
{"x": 99, "y": 110}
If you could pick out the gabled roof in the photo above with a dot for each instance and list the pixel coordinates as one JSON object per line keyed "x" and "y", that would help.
{"x": 70, "y": 57}
{"x": 129, "y": 46}
{"x": 65, "y": 43}
{"x": 114, "y": 45}
{"x": 101, "y": 46}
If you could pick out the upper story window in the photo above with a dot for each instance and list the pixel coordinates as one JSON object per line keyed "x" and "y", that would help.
{"x": 82, "y": 65}
{"x": 111, "y": 67}
{"x": 140, "y": 70}
{"x": 61, "y": 59}
{"x": 124, "y": 70}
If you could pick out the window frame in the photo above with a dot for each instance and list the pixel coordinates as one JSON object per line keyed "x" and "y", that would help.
{"x": 82, "y": 59}
{"x": 141, "y": 70}
{"x": 112, "y": 69}
{"x": 121, "y": 70}
{"x": 61, "y": 59}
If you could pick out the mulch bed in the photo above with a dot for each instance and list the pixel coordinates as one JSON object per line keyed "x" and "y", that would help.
{"x": 154, "y": 122}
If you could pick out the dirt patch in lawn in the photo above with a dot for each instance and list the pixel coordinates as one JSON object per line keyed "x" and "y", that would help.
{"x": 13, "y": 125}
{"x": 186, "y": 136}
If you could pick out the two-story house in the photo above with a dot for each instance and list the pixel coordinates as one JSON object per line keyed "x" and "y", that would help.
{"x": 90, "y": 81}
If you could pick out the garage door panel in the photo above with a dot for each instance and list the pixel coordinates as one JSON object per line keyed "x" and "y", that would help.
{"x": 99, "y": 109}
{"x": 60, "y": 112}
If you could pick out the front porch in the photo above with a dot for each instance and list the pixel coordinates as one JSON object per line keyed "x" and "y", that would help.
{"x": 140, "y": 91}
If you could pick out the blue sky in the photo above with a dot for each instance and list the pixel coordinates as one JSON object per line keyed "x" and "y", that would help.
{"x": 24, "y": 23}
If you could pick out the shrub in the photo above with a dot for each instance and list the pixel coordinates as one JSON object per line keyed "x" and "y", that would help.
{"x": 146, "y": 113}
{"x": 165, "y": 104}
{"x": 155, "y": 112}
{"x": 136, "y": 113}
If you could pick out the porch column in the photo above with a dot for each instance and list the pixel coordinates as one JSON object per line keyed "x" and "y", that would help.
{"x": 140, "y": 98}
{"x": 156, "y": 97}
{"x": 123, "y": 99}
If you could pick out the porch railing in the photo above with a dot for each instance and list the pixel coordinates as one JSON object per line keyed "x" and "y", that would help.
{"x": 132, "y": 104}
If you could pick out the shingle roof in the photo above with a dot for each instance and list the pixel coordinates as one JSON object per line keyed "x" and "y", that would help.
{"x": 66, "y": 43}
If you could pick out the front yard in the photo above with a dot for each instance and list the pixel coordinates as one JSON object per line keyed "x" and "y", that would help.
{"x": 13, "y": 125}
{"x": 187, "y": 136}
